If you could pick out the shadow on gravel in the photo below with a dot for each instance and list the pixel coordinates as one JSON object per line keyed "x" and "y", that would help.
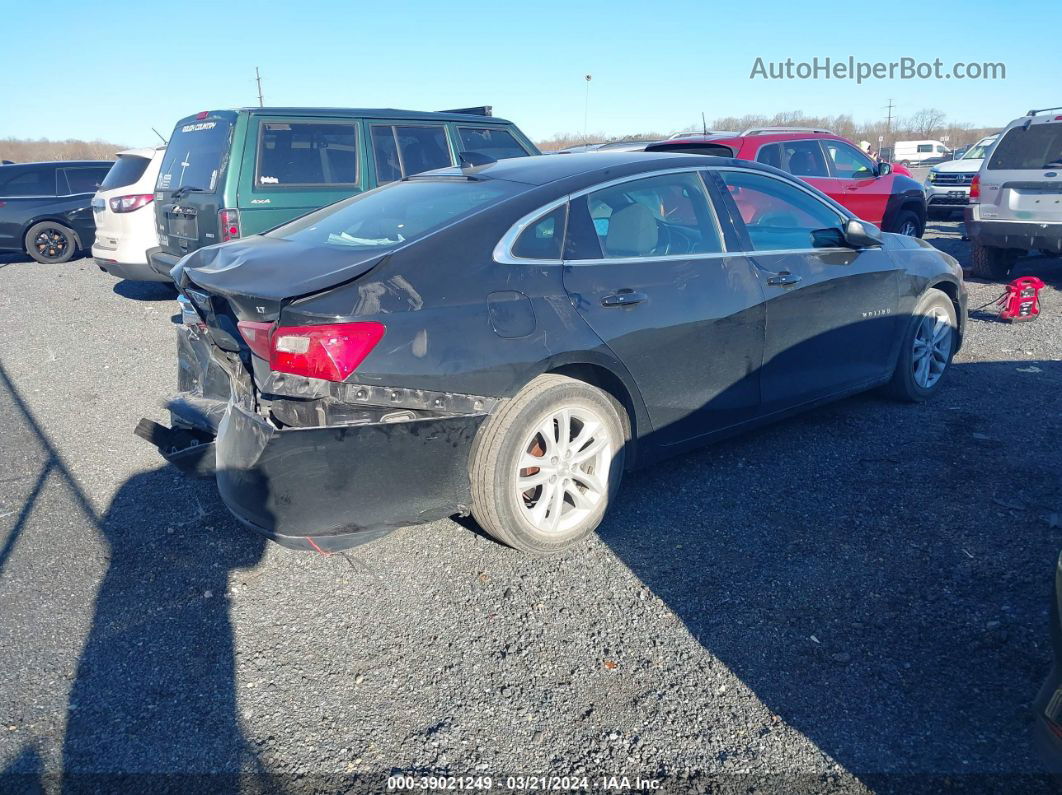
{"x": 881, "y": 582}
{"x": 154, "y": 691}
{"x": 145, "y": 291}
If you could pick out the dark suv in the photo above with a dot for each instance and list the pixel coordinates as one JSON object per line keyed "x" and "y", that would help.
{"x": 46, "y": 208}
{"x": 873, "y": 191}
{"x": 234, "y": 173}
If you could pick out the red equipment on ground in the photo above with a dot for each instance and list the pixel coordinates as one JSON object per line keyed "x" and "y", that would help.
{"x": 1021, "y": 301}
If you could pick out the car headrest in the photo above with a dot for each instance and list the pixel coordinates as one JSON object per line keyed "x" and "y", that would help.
{"x": 632, "y": 232}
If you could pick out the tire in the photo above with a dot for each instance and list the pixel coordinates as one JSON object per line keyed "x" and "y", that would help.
{"x": 508, "y": 513}
{"x": 51, "y": 242}
{"x": 908, "y": 222}
{"x": 987, "y": 262}
{"x": 933, "y": 313}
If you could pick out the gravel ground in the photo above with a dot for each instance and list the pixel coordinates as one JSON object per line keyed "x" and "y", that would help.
{"x": 855, "y": 599}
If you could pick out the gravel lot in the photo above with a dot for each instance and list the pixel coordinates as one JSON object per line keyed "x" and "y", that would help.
{"x": 853, "y": 599}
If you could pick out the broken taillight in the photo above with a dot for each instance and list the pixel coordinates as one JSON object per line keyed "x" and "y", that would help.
{"x": 229, "y": 224}
{"x": 975, "y": 188}
{"x": 331, "y": 351}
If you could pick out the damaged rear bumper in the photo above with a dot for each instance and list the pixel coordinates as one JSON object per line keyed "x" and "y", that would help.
{"x": 334, "y": 487}
{"x": 319, "y": 479}
{"x": 325, "y": 488}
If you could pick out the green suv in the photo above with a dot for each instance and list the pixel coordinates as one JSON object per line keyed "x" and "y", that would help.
{"x": 232, "y": 173}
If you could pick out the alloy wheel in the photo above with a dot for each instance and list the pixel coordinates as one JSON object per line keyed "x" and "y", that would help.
{"x": 563, "y": 469}
{"x": 909, "y": 228}
{"x": 932, "y": 348}
{"x": 51, "y": 243}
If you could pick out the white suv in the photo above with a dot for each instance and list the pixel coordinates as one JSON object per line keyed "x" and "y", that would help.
{"x": 1016, "y": 197}
{"x": 125, "y": 215}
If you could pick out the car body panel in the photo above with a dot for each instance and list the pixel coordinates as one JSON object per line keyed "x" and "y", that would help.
{"x": 468, "y": 325}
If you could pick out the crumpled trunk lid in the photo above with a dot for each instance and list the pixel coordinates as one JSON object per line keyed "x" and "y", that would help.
{"x": 270, "y": 270}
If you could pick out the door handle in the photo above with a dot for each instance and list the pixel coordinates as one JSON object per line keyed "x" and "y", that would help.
{"x": 624, "y": 297}
{"x": 783, "y": 279}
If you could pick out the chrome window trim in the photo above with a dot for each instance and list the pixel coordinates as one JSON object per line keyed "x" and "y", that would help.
{"x": 54, "y": 196}
{"x": 503, "y": 250}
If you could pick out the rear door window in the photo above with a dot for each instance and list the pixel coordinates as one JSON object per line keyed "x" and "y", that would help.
{"x": 81, "y": 180}
{"x": 307, "y": 154}
{"x": 804, "y": 159}
{"x": 494, "y": 142}
{"x": 125, "y": 171}
{"x": 197, "y": 152}
{"x": 27, "y": 182}
{"x": 662, "y": 215}
{"x": 404, "y": 150}
{"x": 1037, "y": 147}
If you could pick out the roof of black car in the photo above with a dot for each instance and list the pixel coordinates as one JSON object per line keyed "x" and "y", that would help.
{"x": 64, "y": 163}
{"x": 549, "y": 168}
{"x": 377, "y": 113}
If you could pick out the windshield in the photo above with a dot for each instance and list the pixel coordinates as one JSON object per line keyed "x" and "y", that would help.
{"x": 1035, "y": 147}
{"x": 396, "y": 213}
{"x": 977, "y": 151}
{"x": 195, "y": 155}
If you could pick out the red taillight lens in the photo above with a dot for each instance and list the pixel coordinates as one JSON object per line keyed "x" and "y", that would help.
{"x": 229, "y": 224}
{"x": 257, "y": 336}
{"x": 126, "y": 204}
{"x": 331, "y": 352}
{"x": 975, "y": 188}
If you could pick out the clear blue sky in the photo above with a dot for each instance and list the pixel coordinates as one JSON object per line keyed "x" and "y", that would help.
{"x": 121, "y": 68}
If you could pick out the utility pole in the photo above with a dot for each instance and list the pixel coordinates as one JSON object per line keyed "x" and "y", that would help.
{"x": 704, "y": 124}
{"x": 586, "y": 111}
{"x": 258, "y": 79}
{"x": 888, "y": 121}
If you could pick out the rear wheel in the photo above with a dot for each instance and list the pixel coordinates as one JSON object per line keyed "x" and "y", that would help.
{"x": 928, "y": 344}
{"x": 988, "y": 262}
{"x": 49, "y": 241}
{"x": 546, "y": 466}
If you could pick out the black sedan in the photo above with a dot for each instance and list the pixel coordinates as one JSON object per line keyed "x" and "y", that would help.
{"x": 46, "y": 208}
{"x": 507, "y": 340}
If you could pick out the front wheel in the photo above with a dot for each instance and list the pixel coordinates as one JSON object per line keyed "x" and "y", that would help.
{"x": 546, "y": 466}
{"x": 910, "y": 224}
{"x": 51, "y": 242}
{"x": 928, "y": 344}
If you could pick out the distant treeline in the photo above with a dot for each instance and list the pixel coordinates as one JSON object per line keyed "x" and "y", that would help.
{"x": 926, "y": 123}
{"x": 21, "y": 150}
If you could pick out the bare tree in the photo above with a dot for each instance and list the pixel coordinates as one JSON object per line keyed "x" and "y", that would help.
{"x": 926, "y": 122}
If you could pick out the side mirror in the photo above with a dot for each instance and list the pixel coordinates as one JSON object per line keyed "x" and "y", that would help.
{"x": 860, "y": 234}
{"x": 884, "y": 168}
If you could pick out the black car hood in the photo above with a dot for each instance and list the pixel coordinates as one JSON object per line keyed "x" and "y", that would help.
{"x": 272, "y": 268}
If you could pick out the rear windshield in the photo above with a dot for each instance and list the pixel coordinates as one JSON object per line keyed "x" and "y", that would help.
{"x": 1039, "y": 146}
{"x": 127, "y": 170}
{"x": 195, "y": 155}
{"x": 392, "y": 215}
